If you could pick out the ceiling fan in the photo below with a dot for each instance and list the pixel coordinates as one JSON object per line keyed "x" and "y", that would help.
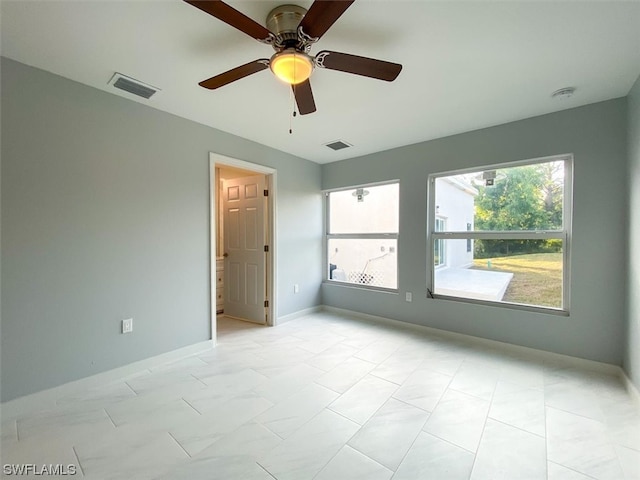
{"x": 291, "y": 31}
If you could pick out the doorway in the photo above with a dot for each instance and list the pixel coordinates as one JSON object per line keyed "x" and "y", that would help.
{"x": 243, "y": 241}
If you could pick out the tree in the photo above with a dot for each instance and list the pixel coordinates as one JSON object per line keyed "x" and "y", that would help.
{"x": 553, "y": 191}
{"x": 523, "y": 198}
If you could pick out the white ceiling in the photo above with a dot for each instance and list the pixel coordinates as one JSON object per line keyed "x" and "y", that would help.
{"x": 467, "y": 65}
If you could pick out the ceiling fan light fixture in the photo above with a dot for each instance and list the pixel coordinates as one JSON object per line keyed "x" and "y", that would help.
{"x": 291, "y": 66}
{"x": 291, "y": 31}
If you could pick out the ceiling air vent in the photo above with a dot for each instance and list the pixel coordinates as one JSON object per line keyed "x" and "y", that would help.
{"x": 338, "y": 145}
{"x": 133, "y": 86}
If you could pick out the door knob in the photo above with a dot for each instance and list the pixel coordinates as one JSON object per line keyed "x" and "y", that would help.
{"x": 225, "y": 254}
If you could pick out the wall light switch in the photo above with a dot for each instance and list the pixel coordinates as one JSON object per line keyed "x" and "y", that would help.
{"x": 296, "y": 288}
{"x": 127, "y": 325}
{"x": 408, "y": 296}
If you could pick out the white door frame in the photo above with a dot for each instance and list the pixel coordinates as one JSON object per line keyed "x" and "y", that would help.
{"x": 215, "y": 159}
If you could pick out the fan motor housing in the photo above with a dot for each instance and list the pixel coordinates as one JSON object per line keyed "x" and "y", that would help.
{"x": 283, "y": 22}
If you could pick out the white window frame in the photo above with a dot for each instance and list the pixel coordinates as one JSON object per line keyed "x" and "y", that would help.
{"x": 357, "y": 236}
{"x": 563, "y": 234}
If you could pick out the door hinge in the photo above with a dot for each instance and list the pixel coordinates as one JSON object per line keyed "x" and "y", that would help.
{"x": 266, "y": 193}
{"x": 266, "y": 248}
{"x": 266, "y": 303}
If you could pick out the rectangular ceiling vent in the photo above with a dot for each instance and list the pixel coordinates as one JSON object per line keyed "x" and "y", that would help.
{"x": 133, "y": 86}
{"x": 338, "y": 145}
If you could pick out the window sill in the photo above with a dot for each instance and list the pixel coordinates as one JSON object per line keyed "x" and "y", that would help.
{"x": 513, "y": 306}
{"x": 359, "y": 286}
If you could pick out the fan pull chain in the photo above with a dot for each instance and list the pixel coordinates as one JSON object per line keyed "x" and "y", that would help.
{"x": 293, "y": 108}
{"x": 292, "y": 96}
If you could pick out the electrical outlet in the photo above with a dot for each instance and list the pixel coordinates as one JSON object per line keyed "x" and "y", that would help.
{"x": 296, "y": 288}
{"x": 408, "y": 297}
{"x": 127, "y": 325}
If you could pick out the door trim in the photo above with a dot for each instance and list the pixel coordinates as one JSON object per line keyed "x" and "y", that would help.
{"x": 216, "y": 159}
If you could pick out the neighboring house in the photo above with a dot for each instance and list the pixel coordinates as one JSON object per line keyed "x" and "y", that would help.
{"x": 454, "y": 212}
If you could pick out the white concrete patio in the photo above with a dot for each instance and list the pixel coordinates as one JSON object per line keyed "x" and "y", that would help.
{"x": 468, "y": 283}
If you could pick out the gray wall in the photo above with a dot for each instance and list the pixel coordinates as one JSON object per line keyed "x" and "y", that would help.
{"x": 105, "y": 215}
{"x": 596, "y": 135}
{"x": 632, "y": 345}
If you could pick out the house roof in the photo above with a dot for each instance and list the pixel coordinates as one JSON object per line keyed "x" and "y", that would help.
{"x": 467, "y": 65}
{"x": 460, "y": 184}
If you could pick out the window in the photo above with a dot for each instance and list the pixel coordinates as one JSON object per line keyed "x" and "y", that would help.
{"x": 362, "y": 236}
{"x": 507, "y": 235}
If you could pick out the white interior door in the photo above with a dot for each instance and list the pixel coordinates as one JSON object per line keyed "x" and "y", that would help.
{"x": 244, "y": 241}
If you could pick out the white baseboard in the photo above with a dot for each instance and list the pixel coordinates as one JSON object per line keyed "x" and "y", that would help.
{"x": 568, "y": 360}
{"x": 298, "y": 314}
{"x": 630, "y": 386}
{"x": 46, "y": 399}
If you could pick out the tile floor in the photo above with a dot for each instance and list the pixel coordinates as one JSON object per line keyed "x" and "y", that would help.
{"x": 332, "y": 397}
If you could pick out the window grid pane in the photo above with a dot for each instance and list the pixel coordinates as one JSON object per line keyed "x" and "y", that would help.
{"x": 520, "y": 198}
{"x": 364, "y": 210}
{"x": 532, "y": 276}
{"x": 367, "y": 262}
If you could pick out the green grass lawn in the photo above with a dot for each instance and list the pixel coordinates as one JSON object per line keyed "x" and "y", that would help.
{"x": 537, "y": 278}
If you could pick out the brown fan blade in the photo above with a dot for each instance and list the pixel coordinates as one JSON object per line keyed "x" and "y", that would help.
{"x": 233, "y": 17}
{"x": 367, "y": 67}
{"x": 304, "y": 97}
{"x": 321, "y": 15}
{"x": 235, "y": 74}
